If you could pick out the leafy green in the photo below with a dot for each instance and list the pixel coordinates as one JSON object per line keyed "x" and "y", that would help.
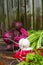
{"x": 21, "y": 63}
{"x": 33, "y": 59}
{"x": 36, "y": 39}
{"x": 29, "y": 57}
{"x": 39, "y": 41}
{"x": 31, "y": 31}
{"x": 34, "y": 45}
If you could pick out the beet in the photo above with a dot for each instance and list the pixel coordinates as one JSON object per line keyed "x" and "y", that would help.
{"x": 17, "y": 25}
{"x": 6, "y": 36}
{"x": 24, "y": 53}
{"x": 16, "y": 33}
{"x": 16, "y": 45}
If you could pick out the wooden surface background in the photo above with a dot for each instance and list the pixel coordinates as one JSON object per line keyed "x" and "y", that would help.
{"x": 29, "y": 12}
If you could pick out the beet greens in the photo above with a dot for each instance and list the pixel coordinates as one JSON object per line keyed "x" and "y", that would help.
{"x": 33, "y": 59}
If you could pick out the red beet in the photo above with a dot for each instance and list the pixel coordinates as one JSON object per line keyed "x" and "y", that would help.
{"x": 22, "y": 58}
{"x": 16, "y": 33}
{"x": 16, "y": 45}
{"x": 19, "y": 56}
{"x": 24, "y": 53}
{"x": 7, "y": 36}
{"x": 17, "y": 25}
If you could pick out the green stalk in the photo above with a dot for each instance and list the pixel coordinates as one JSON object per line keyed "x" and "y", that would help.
{"x": 33, "y": 37}
{"x": 39, "y": 41}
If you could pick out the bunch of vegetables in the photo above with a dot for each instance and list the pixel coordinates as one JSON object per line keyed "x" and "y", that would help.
{"x": 36, "y": 39}
{"x": 32, "y": 59}
{"x": 33, "y": 41}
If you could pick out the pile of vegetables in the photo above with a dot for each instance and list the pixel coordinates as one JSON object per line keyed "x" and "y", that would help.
{"x": 33, "y": 42}
{"x": 32, "y": 59}
{"x": 27, "y": 57}
{"x": 36, "y": 39}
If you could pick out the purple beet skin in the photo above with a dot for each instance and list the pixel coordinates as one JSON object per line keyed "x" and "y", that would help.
{"x": 7, "y": 36}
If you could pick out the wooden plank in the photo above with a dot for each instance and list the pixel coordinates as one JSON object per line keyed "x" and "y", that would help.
{"x": 6, "y": 18}
{"x": 3, "y": 16}
{"x": 42, "y": 14}
{"x": 25, "y": 16}
{"x": 8, "y": 14}
{"x": 33, "y": 15}
{"x": 2, "y": 42}
{"x": 18, "y": 11}
{"x": 0, "y": 30}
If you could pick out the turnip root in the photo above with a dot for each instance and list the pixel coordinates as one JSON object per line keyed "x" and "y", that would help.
{"x": 24, "y": 44}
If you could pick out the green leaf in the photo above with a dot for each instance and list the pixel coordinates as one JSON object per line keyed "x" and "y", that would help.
{"x": 39, "y": 41}
{"x": 30, "y": 56}
{"x": 34, "y": 44}
{"x": 21, "y": 63}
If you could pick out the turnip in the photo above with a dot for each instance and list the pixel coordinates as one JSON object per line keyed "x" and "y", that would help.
{"x": 24, "y": 44}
